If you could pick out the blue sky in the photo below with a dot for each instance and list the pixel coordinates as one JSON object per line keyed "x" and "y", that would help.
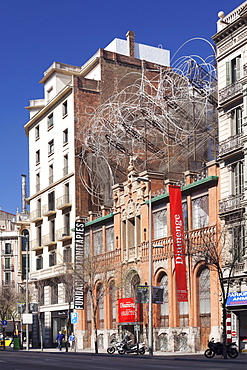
{"x": 34, "y": 34}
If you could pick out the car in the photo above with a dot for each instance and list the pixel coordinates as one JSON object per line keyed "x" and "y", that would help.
{"x": 8, "y": 341}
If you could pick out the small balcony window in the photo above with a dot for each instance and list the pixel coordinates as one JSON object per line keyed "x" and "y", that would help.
{"x": 38, "y": 157}
{"x": 65, "y": 108}
{"x": 50, "y": 121}
{"x": 51, "y": 147}
{"x": 65, "y": 136}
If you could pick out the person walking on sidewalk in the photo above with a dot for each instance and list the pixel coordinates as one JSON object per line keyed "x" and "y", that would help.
{"x": 72, "y": 341}
{"x": 59, "y": 340}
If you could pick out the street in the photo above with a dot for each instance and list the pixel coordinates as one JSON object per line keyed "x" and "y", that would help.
{"x": 13, "y": 360}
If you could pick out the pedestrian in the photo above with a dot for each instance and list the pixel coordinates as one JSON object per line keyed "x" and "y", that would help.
{"x": 72, "y": 341}
{"x": 59, "y": 340}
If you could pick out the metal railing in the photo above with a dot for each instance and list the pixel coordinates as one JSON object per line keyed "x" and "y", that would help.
{"x": 230, "y": 144}
{"x": 231, "y": 203}
{"x": 230, "y": 91}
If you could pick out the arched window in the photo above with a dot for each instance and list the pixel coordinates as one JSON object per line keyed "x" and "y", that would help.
{"x": 100, "y": 297}
{"x": 164, "y": 309}
{"x": 132, "y": 280}
{"x": 112, "y": 305}
{"x": 204, "y": 291}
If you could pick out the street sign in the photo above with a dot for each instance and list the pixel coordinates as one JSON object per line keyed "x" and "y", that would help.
{"x": 4, "y": 322}
{"x": 74, "y": 318}
{"x": 27, "y": 318}
{"x": 234, "y": 333}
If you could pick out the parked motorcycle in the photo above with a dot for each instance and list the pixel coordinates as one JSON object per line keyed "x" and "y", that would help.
{"x": 127, "y": 347}
{"x": 114, "y": 345}
{"x": 217, "y": 349}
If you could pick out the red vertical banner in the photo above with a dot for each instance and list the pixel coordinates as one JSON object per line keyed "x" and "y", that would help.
{"x": 178, "y": 242}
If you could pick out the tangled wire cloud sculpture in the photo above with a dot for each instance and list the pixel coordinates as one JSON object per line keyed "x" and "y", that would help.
{"x": 166, "y": 123}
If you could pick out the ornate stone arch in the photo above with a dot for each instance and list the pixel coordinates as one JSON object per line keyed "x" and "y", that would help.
{"x": 132, "y": 279}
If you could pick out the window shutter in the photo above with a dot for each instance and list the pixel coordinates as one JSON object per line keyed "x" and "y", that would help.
{"x": 238, "y": 67}
{"x": 228, "y": 74}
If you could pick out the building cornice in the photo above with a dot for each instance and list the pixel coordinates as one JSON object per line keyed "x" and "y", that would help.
{"x": 49, "y": 187}
{"x": 66, "y": 91}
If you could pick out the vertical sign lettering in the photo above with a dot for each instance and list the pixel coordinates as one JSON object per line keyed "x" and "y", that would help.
{"x": 178, "y": 242}
{"x": 79, "y": 258}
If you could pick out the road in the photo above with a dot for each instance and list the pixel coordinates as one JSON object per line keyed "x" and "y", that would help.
{"x": 13, "y": 360}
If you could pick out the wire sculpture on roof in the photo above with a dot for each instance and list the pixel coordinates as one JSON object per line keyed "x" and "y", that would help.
{"x": 168, "y": 123}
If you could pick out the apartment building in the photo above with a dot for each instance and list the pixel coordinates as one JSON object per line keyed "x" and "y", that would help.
{"x": 231, "y": 47}
{"x": 58, "y": 195}
{"x": 13, "y": 253}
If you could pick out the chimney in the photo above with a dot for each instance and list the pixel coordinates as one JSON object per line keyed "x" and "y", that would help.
{"x": 131, "y": 43}
{"x": 23, "y": 194}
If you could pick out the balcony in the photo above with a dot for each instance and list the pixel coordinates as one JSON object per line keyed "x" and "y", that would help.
{"x": 9, "y": 283}
{"x": 231, "y": 203}
{"x": 8, "y": 268}
{"x": 63, "y": 202}
{"x": 63, "y": 234}
{"x": 48, "y": 239}
{"x": 229, "y": 92}
{"x": 231, "y": 144}
{"x": 35, "y": 244}
{"x": 7, "y": 252}
{"x": 36, "y": 215}
{"x": 48, "y": 210}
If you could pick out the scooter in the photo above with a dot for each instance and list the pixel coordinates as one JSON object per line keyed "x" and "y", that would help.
{"x": 217, "y": 349}
{"x": 127, "y": 347}
{"x": 114, "y": 345}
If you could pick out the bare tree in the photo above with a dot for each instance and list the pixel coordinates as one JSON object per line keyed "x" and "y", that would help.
{"x": 8, "y": 302}
{"x": 219, "y": 251}
{"x": 99, "y": 272}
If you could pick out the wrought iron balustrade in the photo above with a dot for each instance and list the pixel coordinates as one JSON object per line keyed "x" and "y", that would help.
{"x": 230, "y": 91}
{"x": 231, "y": 203}
{"x": 230, "y": 144}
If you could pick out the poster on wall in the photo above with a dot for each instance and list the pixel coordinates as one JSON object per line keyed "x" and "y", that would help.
{"x": 236, "y": 299}
{"x": 79, "y": 257}
{"x": 128, "y": 311}
{"x": 178, "y": 242}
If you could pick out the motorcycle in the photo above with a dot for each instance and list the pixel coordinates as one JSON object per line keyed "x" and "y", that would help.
{"x": 217, "y": 349}
{"x": 114, "y": 345}
{"x": 127, "y": 347}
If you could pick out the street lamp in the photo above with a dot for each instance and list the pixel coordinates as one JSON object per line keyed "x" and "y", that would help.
{"x": 25, "y": 237}
{"x": 150, "y": 259}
